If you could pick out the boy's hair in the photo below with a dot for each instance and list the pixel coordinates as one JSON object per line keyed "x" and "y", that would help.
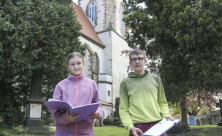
{"x": 136, "y": 51}
{"x": 73, "y": 54}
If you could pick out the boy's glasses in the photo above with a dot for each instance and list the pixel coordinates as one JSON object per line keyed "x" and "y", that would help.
{"x": 135, "y": 59}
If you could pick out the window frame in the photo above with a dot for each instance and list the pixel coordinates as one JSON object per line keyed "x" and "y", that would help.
{"x": 93, "y": 13}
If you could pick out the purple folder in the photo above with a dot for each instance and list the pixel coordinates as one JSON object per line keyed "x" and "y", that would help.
{"x": 84, "y": 110}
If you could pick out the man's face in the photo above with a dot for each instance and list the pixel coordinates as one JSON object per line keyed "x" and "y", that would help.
{"x": 137, "y": 62}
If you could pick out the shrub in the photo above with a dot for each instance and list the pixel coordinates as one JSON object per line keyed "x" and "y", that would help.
{"x": 107, "y": 121}
{"x": 96, "y": 123}
{"x": 9, "y": 131}
{"x": 116, "y": 121}
{"x": 178, "y": 129}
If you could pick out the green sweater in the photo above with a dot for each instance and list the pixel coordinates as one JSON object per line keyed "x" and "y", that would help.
{"x": 142, "y": 99}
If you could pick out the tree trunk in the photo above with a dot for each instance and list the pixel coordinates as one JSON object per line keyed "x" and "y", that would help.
{"x": 183, "y": 110}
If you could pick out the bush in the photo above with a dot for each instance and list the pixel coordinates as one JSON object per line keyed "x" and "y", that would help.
{"x": 107, "y": 121}
{"x": 96, "y": 123}
{"x": 9, "y": 131}
{"x": 178, "y": 129}
{"x": 116, "y": 121}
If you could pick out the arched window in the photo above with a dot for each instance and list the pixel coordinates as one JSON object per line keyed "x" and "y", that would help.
{"x": 92, "y": 13}
{"x": 121, "y": 18}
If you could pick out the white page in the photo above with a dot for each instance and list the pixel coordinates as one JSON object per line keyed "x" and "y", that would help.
{"x": 53, "y": 100}
{"x": 60, "y": 101}
{"x": 160, "y": 127}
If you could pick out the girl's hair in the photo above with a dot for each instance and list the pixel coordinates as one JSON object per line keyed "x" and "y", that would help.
{"x": 136, "y": 51}
{"x": 73, "y": 54}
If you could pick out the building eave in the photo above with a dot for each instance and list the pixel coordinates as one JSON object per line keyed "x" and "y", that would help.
{"x": 93, "y": 41}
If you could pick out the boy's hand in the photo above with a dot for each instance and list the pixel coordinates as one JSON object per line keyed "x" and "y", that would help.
{"x": 72, "y": 116}
{"x": 94, "y": 115}
{"x": 169, "y": 117}
{"x": 135, "y": 130}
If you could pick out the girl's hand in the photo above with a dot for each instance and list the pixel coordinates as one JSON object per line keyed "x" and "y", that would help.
{"x": 72, "y": 116}
{"x": 94, "y": 115}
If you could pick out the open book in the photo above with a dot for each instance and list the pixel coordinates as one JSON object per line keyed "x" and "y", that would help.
{"x": 161, "y": 127}
{"x": 83, "y": 110}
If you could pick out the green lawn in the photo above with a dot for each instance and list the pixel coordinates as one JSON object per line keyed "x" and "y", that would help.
{"x": 110, "y": 131}
{"x": 204, "y": 130}
{"x": 206, "y": 126}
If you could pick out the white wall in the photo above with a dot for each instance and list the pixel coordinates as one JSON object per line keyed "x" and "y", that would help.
{"x": 87, "y": 65}
{"x": 115, "y": 64}
{"x": 105, "y": 87}
{"x": 106, "y": 39}
{"x": 119, "y": 2}
{"x": 119, "y": 63}
{"x": 106, "y": 111}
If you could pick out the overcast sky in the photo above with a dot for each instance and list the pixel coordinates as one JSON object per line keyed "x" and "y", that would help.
{"x": 76, "y": 1}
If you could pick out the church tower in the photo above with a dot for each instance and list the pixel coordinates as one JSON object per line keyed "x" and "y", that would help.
{"x": 104, "y": 14}
{"x": 106, "y": 17}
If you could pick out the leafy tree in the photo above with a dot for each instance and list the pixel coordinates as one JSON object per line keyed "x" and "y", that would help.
{"x": 116, "y": 114}
{"x": 202, "y": 101}
{"x": 35, "y": 35}
{"x": 186, "y": 36}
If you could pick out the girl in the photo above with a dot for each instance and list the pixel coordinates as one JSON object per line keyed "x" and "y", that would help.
{"x": 76, "y": 90}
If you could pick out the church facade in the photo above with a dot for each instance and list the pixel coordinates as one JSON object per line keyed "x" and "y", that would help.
{"x": 103, "y": 33}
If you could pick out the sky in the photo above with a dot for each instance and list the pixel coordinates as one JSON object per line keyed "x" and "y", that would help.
{"x": 76, "y": 1}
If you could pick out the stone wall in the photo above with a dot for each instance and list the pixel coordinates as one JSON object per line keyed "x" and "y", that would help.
{"x": 110, "y": 13}
{"x": 115, "y": 64}
{"x": 119, "y": 3}
{"x": 119, "y": 63}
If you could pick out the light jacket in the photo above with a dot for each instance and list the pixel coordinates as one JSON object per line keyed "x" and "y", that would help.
{"x": 142, "y": 99}
{"x": 77, "y": 91}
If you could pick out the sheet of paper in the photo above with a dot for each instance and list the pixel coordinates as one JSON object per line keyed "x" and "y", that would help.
{"x": 160, "y": 127}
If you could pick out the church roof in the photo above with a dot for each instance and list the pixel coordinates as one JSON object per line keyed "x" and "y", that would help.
{"x": 87, "y": 28}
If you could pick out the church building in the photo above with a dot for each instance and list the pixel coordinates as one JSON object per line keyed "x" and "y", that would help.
{"x": 103, "y": 33}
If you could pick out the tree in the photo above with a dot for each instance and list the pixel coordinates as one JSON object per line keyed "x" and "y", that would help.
{"x": 186, "y": 36}
{"x": 116, "y": 113}
{"x": 34, "y": 35}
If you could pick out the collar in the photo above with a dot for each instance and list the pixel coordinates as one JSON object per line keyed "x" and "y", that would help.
{"x": 73, "y": 77}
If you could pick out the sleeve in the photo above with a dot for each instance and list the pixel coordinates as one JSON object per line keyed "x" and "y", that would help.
{"x": 162, "y": 100}
{"x": 58, "y": 116}
{"x": 124, "y": 107}
{"x": 97, "y": 100}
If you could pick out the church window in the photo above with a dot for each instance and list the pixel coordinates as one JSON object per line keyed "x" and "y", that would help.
{"x": 108, "y": 93}
{"x": 121, "y": 18}
{"x": 92, "y": 13}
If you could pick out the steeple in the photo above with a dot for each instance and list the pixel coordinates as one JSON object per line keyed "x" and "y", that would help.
{"x": 102, "y": 13}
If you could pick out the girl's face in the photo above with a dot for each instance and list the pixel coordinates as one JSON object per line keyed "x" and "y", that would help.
{"x": 76, "y": 65}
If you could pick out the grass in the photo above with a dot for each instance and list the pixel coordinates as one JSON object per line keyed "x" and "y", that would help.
{"x": 204, "y": 130}
{"x": 102, "y": 131}
{"x": 110, "y": 131}
{"x": 206, "y": 126}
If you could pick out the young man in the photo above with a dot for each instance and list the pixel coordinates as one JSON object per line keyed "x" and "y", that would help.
{"x": 142, "y": 97}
